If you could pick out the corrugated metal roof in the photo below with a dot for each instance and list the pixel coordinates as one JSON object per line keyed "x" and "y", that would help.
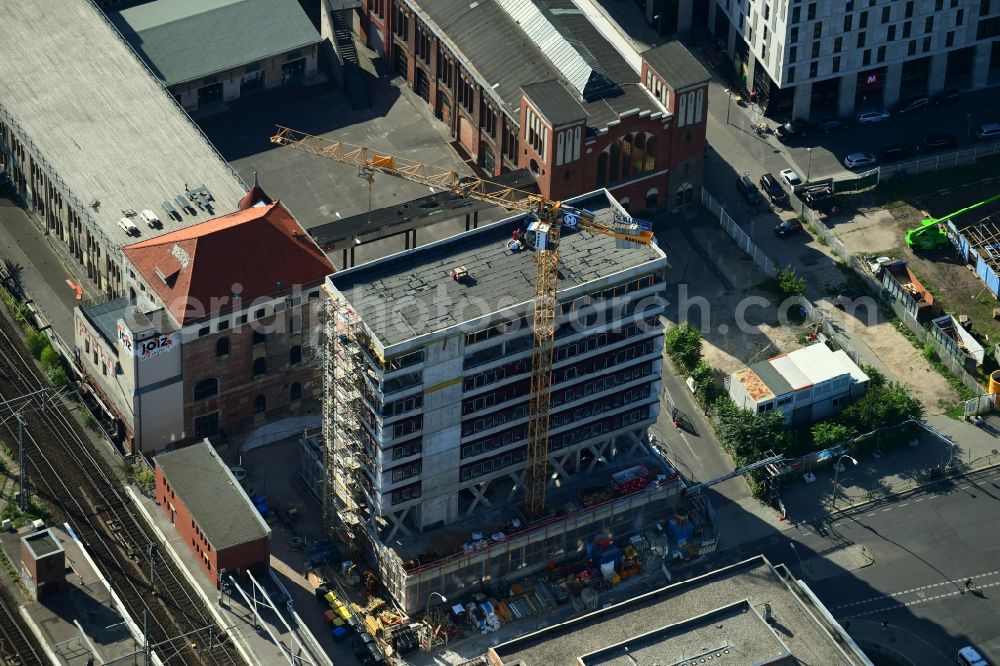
{"x": 769, "y": 375}
{"x": 786, "y": 366}
{"x": 183, "y": 40}
{"x": 554, "y": 102}
{"x": 676, "y": 65}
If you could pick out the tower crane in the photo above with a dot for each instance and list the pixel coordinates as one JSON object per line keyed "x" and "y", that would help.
{"x": 551, "y": 216}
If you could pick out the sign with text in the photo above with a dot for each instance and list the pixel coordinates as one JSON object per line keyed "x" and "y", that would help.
{"x": 156, "y": 345}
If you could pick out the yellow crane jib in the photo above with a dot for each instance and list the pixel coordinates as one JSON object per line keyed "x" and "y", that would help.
{"x": 550, "y": 217}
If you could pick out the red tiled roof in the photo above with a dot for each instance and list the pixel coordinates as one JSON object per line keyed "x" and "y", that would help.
{"x": 262, "y": 249}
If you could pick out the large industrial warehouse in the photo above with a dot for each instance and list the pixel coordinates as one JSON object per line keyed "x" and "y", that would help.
{"x": 89, "y": 140}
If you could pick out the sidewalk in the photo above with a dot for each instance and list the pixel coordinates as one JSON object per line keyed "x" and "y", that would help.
{"x": 44, "y": 273}
{"x": 895, "y": 643}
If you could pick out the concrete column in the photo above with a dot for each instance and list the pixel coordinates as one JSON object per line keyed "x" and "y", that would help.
{"x": 802, "y": 101}
{"x": 713, "y": 7}
{"x": 751, "y": 66}
{"x": 684, "y": 16}
{"x": 893, "y": 79}
{"x": 981, "y": 65}
{"x": 845, "y": 100}
{"x": 731, "y": 41}
{"x": 936, "y": 75}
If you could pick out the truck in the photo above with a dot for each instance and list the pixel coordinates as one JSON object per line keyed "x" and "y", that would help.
{"x": 931, "y": 235}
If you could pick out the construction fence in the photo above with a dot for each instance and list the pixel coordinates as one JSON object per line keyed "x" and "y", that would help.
{"x": 959, "y": 158}
{"x": 737, "y": 234}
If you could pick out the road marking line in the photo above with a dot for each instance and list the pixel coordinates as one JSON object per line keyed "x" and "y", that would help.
{"x": 869, "y": 515}
{"x": 904, "y": 504}
{"x": 888, "y": 508}
{"x": 956, "y": 582}
{"x": 919, "y": 499}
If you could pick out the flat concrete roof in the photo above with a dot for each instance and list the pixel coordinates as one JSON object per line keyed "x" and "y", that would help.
{"x": 101, "y": 121}
{"x": 679, "y": 606}
{"x": 411, "y": 294}
{"x": 42, "y": 543}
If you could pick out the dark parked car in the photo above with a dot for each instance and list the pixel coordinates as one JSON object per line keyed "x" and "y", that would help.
{"x": 913, "y": 104}
{"x": 748, "y": 190}
{"x": 791, "y": 129}
{"x": 947, "y": 96}
{"x": 930, "y": 143}
{"x": 787, "y": 228}
{"x": 773, "y": 189}
{"x": 817, "y": 197}
{"x": 830, "y": 125}
{"x": 895, "y": 152}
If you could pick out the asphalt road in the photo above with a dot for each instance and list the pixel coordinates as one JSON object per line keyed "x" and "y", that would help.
{"x": 924, "y": 546}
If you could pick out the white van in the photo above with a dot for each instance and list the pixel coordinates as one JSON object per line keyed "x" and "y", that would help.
{"x": 969, "y": 656}
{"x": 128, "y": 226}
{"x": 152, "y": 221}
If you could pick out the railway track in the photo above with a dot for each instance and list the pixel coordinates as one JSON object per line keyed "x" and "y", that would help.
{"x": 64, "y": 471}
{"x": 16, "y": 648}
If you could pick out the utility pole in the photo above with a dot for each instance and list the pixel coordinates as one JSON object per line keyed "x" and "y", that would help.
{"x": 22, "y": 502}
{"x": 146, "y": 648}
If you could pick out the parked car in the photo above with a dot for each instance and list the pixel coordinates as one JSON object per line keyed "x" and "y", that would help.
{"x": 913, "y": 104}
{"x": 772, "y": 188}
{"x": 969, "y": 656}
{"x": 858, "y": 160}
{"x": 866, "y": 117}
{"x": 818, "y": 198}
{"x": 748, "y": 190}
{"x": 828, "y": 125}
{"x": 791, "y": 179}
{"x": 988, "y": 132}
{"x": 895, "y": 152}
{"x": 947, "y": 96}
{"x": 930, "y": 143}
{"x": 791, "y": 129}
{"x": 787, "y": 228}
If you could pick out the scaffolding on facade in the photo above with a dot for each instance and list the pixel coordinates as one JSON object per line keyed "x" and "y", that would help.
{"x": 345, "y": 379}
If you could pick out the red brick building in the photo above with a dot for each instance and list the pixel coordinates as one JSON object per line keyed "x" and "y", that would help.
{"x": 533, "y": 84}
{"x": 210, "y": 510}
{"x": 245, "y": 290}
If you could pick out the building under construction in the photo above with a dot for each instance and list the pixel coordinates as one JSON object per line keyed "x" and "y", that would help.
{"x": 427, "y": 399}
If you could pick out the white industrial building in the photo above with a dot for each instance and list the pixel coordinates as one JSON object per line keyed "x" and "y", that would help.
{"x": 806, "y": 384}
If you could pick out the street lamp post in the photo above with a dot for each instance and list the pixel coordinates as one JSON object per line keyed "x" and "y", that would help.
{"x": 791, "y": 544}
{"x": 968, "y": 129}
{"x": 430, "y": 596}
{"x": 729, "y": 105}
{"x": 836, "y": 474}
{"x": 809, "y": 168}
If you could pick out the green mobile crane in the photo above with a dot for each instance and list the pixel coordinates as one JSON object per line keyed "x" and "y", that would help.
{"x": 931, "y": 235}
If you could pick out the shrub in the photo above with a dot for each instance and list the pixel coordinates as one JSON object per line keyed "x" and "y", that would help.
{"x": 826, "y": 434}
{"x": 683, "y": 343}
{"x": 57, "y": 376}
{"x": 882, "y": 406}
{"x": 50, "y": 358}
{"x": 37, "y": 342}
{"x": 704, "y": 382}
{"x": 790, "y": 283}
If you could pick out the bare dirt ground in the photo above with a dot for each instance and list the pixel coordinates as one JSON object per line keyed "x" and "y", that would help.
{"x": 744, "y": 331}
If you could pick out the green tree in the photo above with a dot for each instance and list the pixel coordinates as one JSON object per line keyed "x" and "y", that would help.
{"x": 683, "y": 343}
{"x": 748, "y": 435}
{"x": 828, "y": 433}
{"x": 882, "y": 406}
{"x": 789, "y": 282}
{"x": 37, "y": 342}
{"x": 704, "y": 382}
{"x": 875, "y": 376}
{"x": 57, "y": 376}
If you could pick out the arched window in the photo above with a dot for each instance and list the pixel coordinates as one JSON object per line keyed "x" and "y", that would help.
{"x": 259, "y": 404}
{"x": 651, "y": 198}
{"x": 206, "y": 388}
{"x": 626, "y": 146}
{"x": 259, "y": 366}
{"x": 638, "y": 152}
{"x": 650, "y": 165}
{"x": 602, "y": 169}
{"x": 296, "y": 392}
{"x": 222, "y": 347}
{"x": 625, "y": 203}
{"x": 295, "y": 355}
{"x": 614, "y": 173}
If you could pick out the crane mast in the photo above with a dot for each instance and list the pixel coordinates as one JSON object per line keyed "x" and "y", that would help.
{"x": 552, "y": 213}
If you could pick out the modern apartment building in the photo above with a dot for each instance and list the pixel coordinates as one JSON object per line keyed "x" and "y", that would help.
{"x": 818, "y": 58}
{"x": 428, "y": 386}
